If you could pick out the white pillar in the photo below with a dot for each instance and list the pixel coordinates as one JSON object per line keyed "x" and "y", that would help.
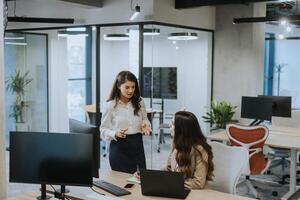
{"x": 2, "y": 111}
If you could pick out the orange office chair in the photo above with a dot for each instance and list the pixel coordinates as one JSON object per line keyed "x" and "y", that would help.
{"x": 252, "y": 138}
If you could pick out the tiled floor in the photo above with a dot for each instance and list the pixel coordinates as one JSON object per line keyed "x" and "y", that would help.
{"x": 157, "y": 160}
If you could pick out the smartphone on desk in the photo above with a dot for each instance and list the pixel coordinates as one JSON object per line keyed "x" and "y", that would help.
{"x": 129, "y": 185}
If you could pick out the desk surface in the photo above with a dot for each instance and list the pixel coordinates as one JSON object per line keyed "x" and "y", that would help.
{"x": 278, "y": 137}
{"x": 119, "y": 179}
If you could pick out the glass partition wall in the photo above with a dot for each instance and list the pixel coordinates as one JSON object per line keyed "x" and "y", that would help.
{"x": 26, "y": 74}
{"x": 175, "y": 74}
{"x": 173, "y": 65}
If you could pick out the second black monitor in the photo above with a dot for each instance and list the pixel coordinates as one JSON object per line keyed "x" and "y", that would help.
{"x": 281, "y": 105}
{"x": 256, "y": 108}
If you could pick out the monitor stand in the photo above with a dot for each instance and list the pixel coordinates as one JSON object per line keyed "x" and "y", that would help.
{"x": 256, "y": 122}
{"x": 43, "y": 193}
{"x": 60, "y": 193}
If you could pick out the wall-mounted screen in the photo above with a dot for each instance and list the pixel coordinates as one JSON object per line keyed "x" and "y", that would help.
{"x": 164, "y": 82}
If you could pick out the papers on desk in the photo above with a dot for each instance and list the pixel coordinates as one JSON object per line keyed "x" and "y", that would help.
{"x": 133, "y": 180}
{"x": 96, "y": 196}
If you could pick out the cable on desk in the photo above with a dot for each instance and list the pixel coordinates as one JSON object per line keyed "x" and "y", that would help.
{"x": 53, "y": 188}
{"x": 96, "y": 191}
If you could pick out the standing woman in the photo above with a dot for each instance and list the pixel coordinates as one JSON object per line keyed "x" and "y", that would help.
{"x": 190, "y": 154}
{"x": 123, "y": 122}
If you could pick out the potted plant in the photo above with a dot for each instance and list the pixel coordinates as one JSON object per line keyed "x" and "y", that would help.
{"x": 16, "y": 84}
{"x": 220, "y": 114}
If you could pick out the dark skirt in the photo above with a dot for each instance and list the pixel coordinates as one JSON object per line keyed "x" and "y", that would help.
{"x": 128, "y": 153}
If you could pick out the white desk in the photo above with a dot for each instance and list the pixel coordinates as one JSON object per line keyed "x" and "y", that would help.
{"x": 283, "y": 137}
{"x": 119, "y": 179}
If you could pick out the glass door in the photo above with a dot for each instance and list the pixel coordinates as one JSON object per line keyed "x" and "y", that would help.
{"x": 177, "y": 76}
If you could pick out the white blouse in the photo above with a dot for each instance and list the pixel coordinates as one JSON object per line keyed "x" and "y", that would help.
{"x": 122, "y": 116}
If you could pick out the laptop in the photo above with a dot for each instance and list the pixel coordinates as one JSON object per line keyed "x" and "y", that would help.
{"x": 163, "y": 184}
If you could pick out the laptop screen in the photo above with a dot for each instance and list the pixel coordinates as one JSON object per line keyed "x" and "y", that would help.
{"x": 163, "y": 183}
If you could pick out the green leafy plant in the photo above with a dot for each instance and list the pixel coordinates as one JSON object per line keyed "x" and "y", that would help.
{"x": 220, "y": 114}
{"x": 16, "y": 84}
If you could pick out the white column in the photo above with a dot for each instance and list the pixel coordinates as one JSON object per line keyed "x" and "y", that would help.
{"x": 2, "y": 111}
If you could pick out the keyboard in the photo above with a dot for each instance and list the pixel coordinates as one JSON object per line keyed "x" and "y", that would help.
{"x": 111, "y": 188}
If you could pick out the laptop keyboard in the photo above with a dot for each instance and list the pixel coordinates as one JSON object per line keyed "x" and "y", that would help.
{"x": 111, "y": 188}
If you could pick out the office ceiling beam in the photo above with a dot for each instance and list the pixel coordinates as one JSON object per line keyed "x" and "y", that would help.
{"x": 41, "y": 20}
{"x": 181, "y": 4}
{"x": 292, "y": 18}
{"x": 94, "y": 3}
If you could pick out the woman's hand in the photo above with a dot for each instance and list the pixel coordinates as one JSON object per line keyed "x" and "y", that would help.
{"x": 146, "y": 129}
{"x": 137, "y": 175}
{"x": 121, "y": 133}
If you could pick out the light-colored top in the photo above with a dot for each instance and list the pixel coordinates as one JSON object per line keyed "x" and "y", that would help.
{"x": 120, "y": 116}
{"x": 198, "y": 165}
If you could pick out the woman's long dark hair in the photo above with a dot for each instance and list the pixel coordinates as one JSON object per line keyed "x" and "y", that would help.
{"x": 115, "y": 93}
{"x": 188, "y": 134}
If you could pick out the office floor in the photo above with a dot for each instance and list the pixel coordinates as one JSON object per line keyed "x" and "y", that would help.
{"x": 157, "y": 161}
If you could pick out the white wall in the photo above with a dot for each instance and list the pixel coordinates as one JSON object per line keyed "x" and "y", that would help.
{"x": 3, "y": 180}
{"x": 238, "y": 54}
{"x": 201, "y": 17}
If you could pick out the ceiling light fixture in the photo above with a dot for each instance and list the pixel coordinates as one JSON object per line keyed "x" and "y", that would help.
{"x": 14, "y": 38}
{"x": 16, "y": 43}
{"x": 289, "y": 29}
{"x": 135, "y": 11}
{"x": 41, "y": 20}
{"x": 283, "y": 22}
{"x": 151, "y": 31}
{"x": 183, "y": 36}
{"x": 68, "y": 33}
{"x": 116, "y": 37}
{"x": 280, "y": 36}
{"x": 147, "y": 31}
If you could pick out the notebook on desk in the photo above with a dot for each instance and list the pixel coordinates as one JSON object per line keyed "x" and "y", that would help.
{"x": 163, "y": 183}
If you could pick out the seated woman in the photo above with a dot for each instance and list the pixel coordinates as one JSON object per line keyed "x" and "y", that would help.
{"x": 190, "y": 152}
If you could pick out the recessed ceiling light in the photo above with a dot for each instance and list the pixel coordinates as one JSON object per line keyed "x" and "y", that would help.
{"x": 183, "y": 36}
{"x": 288, "y": 29}
{"x": 280, "y": 36}
{"x": 283, "y": 22}
{"x": 116, "y": 37}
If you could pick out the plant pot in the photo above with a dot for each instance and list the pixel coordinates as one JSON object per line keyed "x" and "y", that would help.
{"x": 22, "y": 126}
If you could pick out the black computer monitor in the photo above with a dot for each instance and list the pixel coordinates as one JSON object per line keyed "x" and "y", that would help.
{"x": 51, "y": 158}
{"x": 76, "y": 126}
{"x": 281, "y": 105}
{"x": 256, "y": 108}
